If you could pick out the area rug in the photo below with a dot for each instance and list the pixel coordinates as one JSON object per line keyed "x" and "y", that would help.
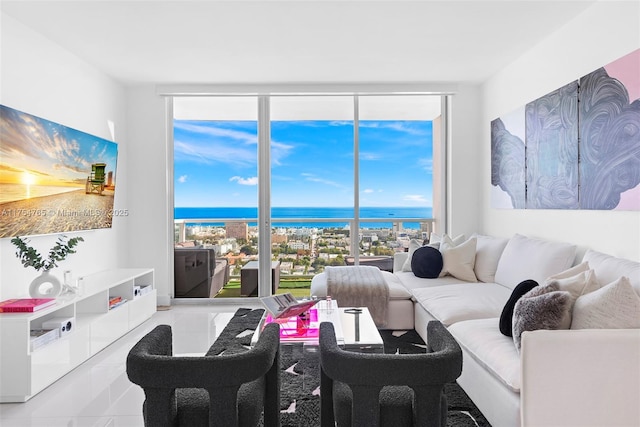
{"x": 300, "y": 402}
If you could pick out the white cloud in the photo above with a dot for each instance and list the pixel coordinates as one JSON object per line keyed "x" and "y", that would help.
{"x": 182, "y": 179}
{"x": 426, "y": 164}
{"x": 368, "y": 190}
{"x": 398, "y": 126}
{"x": 313, "y": 178}
{"x": 370, "y": 156}
{"x": 414, "y": 198}
{"x": 211, "y": 143}
{"x": 245, "y": 181}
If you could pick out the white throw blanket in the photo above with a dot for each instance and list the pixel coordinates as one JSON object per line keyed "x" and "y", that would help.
{"x": 360, "y": 286}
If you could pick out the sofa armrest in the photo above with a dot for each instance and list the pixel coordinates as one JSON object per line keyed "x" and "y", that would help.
{"x": 398, "y": 260}
{"x": 588, "y": 377}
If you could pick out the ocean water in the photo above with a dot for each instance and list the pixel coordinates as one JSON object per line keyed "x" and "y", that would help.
{"x": 13, "y": 192}
{"x": 385, "y": 214}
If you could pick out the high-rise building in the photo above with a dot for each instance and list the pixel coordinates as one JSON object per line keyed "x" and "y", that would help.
{"x": 238, "y": 230}
{"x": 278, "y": 238}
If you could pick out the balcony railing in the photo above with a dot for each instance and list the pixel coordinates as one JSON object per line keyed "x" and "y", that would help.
{"x": 376, "y": 240}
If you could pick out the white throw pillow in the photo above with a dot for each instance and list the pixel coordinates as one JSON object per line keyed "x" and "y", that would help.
{"x": 436, "y": 238}
{"x": 488, "y": 252}
{"x": 578, "y": 285}
{"x": 413, "y": 245}
{"x": 458, "y": 261}
{"x": 609, "y": 268}
{"x": 583, "y": 266}
{"x": 614, "y": 306}
{"x": 536, "y": 259}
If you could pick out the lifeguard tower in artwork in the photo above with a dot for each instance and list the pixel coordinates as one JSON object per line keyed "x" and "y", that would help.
{"x": 95, "y": 181}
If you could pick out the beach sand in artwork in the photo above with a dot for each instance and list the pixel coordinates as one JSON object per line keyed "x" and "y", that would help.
{"x": 71, "y": 211}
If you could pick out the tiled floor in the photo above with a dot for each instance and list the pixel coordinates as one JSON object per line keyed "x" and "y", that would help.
{"x": 98, "y": 392}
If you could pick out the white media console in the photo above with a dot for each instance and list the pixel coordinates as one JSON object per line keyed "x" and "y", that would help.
{"x": 25, "y": 372}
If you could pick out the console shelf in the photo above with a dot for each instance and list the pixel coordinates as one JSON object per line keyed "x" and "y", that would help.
{"x": 25, "y": 372}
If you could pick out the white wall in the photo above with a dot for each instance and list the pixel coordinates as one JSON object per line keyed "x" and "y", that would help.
{"x": 464, "y": 161}
{"x": 601, "y": 34}
{"x": 150, "y": 241}
{"x": 43, "y": 79}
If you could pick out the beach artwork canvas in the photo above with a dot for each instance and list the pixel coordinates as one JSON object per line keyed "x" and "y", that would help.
{"x": 53, "y": 178}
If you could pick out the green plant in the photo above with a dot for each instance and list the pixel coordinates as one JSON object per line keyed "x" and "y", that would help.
{"x": 29, "y": 257}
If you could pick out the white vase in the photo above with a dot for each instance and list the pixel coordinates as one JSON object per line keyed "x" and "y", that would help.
{"x": 46, "y": 285}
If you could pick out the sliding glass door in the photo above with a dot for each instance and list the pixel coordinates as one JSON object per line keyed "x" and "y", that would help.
{"x": 215, "y": 196}
{"x": 312, "y": 183}
{"x": 395, "y": 173}
{"x": 326, "y": 179}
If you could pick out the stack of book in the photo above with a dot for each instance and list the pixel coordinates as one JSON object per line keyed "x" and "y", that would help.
{"x": 116, "y": 302}
{"x": 25, "y": 305}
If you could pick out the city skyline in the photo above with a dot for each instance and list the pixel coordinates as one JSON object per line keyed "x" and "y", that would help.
{"x": 215, "y": 163}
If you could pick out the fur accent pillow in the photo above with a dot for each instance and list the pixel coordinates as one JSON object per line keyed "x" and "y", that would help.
{"x": 507, "y": 312}
{"x": 426, "y": 262}
{"x": 614, "y": 306}
{"x": 543, "y": 307}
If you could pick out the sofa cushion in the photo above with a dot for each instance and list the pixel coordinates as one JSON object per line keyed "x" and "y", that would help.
{"x": 580, "y": 284}
{"x": 466, "y": 301}
{"x": 609, "y": 268}
{"x": 483, "y": 341}
{"x": 413, "y": 246}
{"x": 543, "y": 307}
{"x": 488, "y": 252}
{"x": 526, "y": 258}
{"x": 614, "y": 306}
{"x": 506, "y": 316}
{"x": 426, "y": 262}
{"x": 583, "y": 266}
{"x": 410, "y": 281}
{"x": 458, "y": 260}
{"x": 438, "y": 238}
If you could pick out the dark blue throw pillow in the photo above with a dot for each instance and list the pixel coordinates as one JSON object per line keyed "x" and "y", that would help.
{"x": 426, "y": 262}
{"x": 506, "y": 318}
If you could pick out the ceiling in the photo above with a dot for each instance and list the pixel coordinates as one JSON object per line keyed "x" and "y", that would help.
{"x": 303, "y": 41}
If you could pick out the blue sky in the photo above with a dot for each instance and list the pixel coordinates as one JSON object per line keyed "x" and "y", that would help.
{"x": 312, "y": 163}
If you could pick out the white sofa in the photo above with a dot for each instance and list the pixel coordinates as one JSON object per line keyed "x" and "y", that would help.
{"x": 584, "y": 377}
{"x": 588, "y": 377}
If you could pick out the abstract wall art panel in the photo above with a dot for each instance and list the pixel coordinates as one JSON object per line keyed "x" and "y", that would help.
{"x": 53, "y": 179}
{"x": 508, "y": 161}
{"x": 577, "y": 147}
{"x": 610, "y": 136}
{"x": 552, "y": 150}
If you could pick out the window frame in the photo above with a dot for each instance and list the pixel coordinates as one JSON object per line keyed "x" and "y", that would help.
{"x": 264, "y": 93}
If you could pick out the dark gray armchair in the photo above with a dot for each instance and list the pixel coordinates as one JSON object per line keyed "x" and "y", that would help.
{"x": 224, "y": 390}
{"x": 358, "y": 389}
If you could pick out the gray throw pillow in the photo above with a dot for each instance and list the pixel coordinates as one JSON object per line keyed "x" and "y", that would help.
{"x": 543, "y": 307}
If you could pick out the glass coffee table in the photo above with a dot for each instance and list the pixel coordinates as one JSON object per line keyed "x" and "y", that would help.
{"x": 354, "y": 328}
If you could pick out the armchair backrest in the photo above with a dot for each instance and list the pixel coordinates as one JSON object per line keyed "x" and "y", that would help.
{"x": 367, "y": 373}
{"x": 151, "y": 365}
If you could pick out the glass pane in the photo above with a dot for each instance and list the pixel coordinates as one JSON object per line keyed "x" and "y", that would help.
{"x": 396, "y": 170}
{"x": 215, "y": 196}
{"x": 312, "y": 173}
